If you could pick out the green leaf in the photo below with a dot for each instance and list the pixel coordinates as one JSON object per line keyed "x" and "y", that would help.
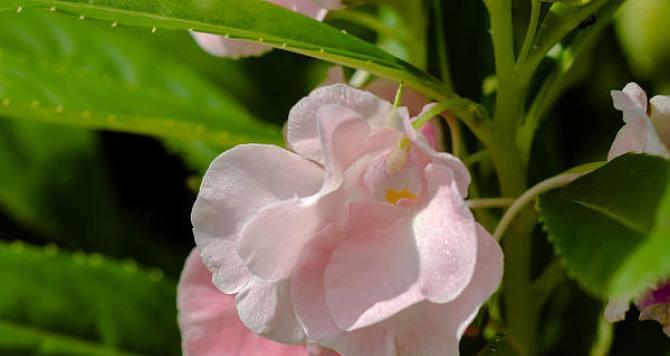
{"x": 611, "y": 226}
{"x": 74, "y": 304}
{"x": 254, "y": 20}
{"x": 560, "y": 21}
{"x": 56, "y": 69}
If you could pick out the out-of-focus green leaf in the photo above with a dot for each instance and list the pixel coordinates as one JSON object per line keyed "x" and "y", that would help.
{"x": 560, "y": 21}
{"x": 254, "y": 20}
{"x": 74, "y": 304}
{"x": 571, "y": 2}
{"x": 611, "y": 226}
{"x": 644, "y": 31}
{"x": 53, "y": 181}
{"x": 55, "y": 70}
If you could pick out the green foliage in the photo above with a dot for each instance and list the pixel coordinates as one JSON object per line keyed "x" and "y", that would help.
{"x": 644, "y": 31}
{"x": 254, "y": 20}
{"x": 52, "y": 71}
{"x": 74, "y": 304}
{"x": 610, "y": 226}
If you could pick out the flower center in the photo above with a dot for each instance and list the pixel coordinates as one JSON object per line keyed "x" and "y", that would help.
{"x": 393, "y": 196}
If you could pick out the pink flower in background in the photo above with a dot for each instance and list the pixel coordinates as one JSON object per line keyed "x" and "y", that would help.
{"x": 647, "y": 123}
{"x": 360, "y": 241}
{"x": 647, "y": 130}
{"x": 210, "y": 325}
{"x": 223, "y": 47}
{"x": 653, "y": 305}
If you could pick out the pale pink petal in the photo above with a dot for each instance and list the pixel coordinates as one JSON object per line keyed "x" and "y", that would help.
{"x": 631, "y": 98}
{"x": 309, "y": 8}
{"x": 422, "y": 329}
{"x": 660, "y": 117}
{"x": 303, "y": 131}
{"x": 616, "y": 309}
{"x": 237, "y": 184}
{"x": 638, "y": 134}
{"x": 461, "y": 173}
{"x": 375, "y": 272}
{"x": 220, "y": 46}
{"x": 288, "y": 225}
{"x": 209, "y": 322}
{"x": 230, "y": 48}
{"x": 393, "y": 264}
{"x": 446, "y": 237}
{"x": 265, "y": 308}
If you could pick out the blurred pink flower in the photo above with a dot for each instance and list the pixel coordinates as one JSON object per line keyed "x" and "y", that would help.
{"x": 646, "y": 130}
{"x": 360, "y": 241}
{"x": 231, "y": 48}
{"x": 653, "y": 305}
{"x": 647, "y": 127}
{"x": 210, "y": 325}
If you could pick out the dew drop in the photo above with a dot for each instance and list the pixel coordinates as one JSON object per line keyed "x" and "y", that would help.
{"x": 52, "y": 9}
{"x": 19, "y": 9}
{"x": 114, "y": 24}
{"x": 82, "y": 17}
{"x": 227, "y": 35}
{"x": 154, "y": 29}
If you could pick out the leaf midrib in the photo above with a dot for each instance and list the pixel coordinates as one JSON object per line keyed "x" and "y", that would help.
{"x": 640, "y": 230}
{"x": 383, "y": 63}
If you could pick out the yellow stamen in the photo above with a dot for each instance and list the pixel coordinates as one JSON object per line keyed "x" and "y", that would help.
{"x": 393, "y": 196}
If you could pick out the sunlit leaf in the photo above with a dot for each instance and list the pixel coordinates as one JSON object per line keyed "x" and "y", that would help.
{"x": 54, "y": 70}
{"x": 255, "y": 20}
{"x": 611, "y": 227}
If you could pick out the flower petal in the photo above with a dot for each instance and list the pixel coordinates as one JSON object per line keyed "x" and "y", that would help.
{"x": 230, "y": 48}
{"x": 288, "y": 225}
{"x": 303, "y": 132}
{"x": 446, "y": 238}
{"x": 237, "y": 184}
{"x": 374, "y": 273}
{"x": 265, "y": 308}
{"x": 631, "y": 98}
{"x": 461, "y": 173}
{"x": 660, "y": 117}
{"x": 616, "y": 309}
{"x": 309, "y": 8}
{"x": 422, "y": 329}
{"x": 209, "y": 322}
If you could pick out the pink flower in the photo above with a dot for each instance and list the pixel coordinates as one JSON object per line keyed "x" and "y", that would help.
{"x": 360, "y": 241}
{"x": 210, "y": 325}
{"x": 653, "y": 305}
{"x": 209, "y": 322}
{"x": 647, "y": 128}
{"x": 222, "y": 47}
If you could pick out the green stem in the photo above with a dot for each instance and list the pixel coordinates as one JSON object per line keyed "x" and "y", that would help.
{"x": 520, "y": 312}
{"x": 535, "y": 10}
{"x": 443, "y": 58}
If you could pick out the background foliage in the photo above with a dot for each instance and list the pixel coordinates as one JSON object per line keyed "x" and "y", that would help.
{"x": 107, "y": 122}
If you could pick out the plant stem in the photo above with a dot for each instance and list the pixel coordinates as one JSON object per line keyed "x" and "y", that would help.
{"x": 443, "y": 58}
{"x": 535, "y": 9}
{"x": 530, "y": 195}
{"x": 520, "y": 312}
{"x": 486, "y": 203}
